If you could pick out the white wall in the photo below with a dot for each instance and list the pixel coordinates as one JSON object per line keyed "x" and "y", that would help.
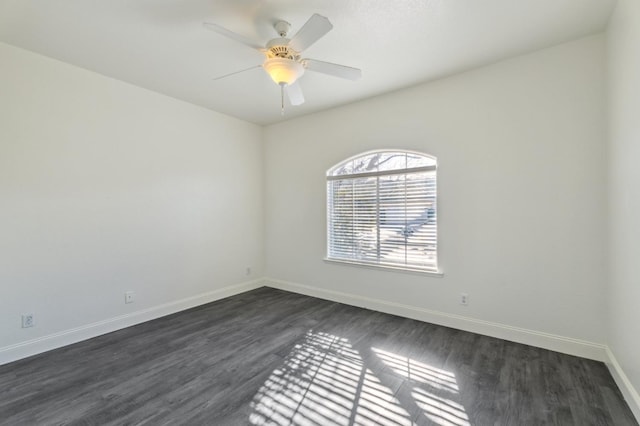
{"x": 624, "y": 189}
{"x": 521, "y": 191}
{"x": 106, "y": 187}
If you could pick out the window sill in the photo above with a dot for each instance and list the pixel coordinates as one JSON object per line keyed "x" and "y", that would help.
{"x": 409, "y": 270}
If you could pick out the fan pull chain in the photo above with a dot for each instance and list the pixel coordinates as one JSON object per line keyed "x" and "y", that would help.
{"x": 282, "y": 99}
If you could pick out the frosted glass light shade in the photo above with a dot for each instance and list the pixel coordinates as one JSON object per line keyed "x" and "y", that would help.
{"x": 283, "y": 71}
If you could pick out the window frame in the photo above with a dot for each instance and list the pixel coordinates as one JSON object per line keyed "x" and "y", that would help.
{"x": 330, "y": 176}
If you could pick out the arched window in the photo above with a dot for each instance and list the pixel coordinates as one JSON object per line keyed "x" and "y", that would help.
{"x": 381, "y": 210}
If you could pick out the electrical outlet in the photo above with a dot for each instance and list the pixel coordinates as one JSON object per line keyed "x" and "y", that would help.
{"x": 464, "y": 299}
{"x": 28, "y": 321}
{"x": 129, "y": 297}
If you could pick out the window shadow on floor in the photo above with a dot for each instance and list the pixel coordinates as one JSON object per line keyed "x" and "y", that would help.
{"x": 324, "y": 380}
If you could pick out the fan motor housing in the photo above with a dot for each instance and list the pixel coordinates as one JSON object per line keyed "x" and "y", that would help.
{"x": 278, "y": 48}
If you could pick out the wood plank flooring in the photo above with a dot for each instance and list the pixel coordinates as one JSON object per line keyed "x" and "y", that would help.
{"x": 269, "y": 357}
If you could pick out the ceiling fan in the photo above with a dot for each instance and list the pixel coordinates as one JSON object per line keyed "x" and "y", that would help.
{"x": 283, "y": 62}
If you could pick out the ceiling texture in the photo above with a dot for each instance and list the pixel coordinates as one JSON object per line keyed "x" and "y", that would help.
{"x": 161, "y": 45}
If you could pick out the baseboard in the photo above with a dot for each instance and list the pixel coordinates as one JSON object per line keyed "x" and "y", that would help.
{"x": 628, "y": 391}
{"x": 552, "y": 342}
{"x": 63, "y": 338}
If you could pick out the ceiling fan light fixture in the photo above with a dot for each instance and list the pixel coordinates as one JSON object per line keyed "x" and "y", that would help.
{"x": 283, "y": 71}
{"x": 283, "y": 61}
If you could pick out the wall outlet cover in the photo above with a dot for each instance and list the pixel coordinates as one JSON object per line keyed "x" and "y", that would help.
{"x": 28, "y": 321}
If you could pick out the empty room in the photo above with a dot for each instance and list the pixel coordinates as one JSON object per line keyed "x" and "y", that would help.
{"x": 270, "y": 212}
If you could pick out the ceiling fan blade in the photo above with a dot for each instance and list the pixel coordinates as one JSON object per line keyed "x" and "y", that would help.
{"x": 294, "y": 92}
{"x": 316, "y": 27}
{"x": 233, "y": 36}
{"x": 237, "y": 72}
{"x": 336, "y": 70}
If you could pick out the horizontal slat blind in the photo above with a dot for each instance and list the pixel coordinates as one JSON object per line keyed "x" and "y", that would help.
{"x": 384, "y": 218}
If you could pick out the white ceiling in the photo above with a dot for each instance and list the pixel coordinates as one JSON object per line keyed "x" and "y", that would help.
{"x": 161, "y": 45}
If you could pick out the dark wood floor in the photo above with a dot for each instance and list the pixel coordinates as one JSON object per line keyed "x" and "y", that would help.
{"x": 269, "y": 357}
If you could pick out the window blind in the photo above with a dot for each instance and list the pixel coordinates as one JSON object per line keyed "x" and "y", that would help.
{"x": 384, "y": 217}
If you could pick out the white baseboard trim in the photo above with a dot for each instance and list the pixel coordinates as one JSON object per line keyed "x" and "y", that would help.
{"x": 66, "y": 337}
{"x": 628, "y": 391}
{"x": 549, "y": 341}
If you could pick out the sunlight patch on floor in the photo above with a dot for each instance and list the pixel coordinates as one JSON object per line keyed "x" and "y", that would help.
{"x": 324, "y": 381}
{"x": 418, "y": 371}
{"x": 442, "y": 411}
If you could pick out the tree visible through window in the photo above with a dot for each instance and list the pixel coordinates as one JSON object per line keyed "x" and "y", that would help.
{"x": 381, "y": 209}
